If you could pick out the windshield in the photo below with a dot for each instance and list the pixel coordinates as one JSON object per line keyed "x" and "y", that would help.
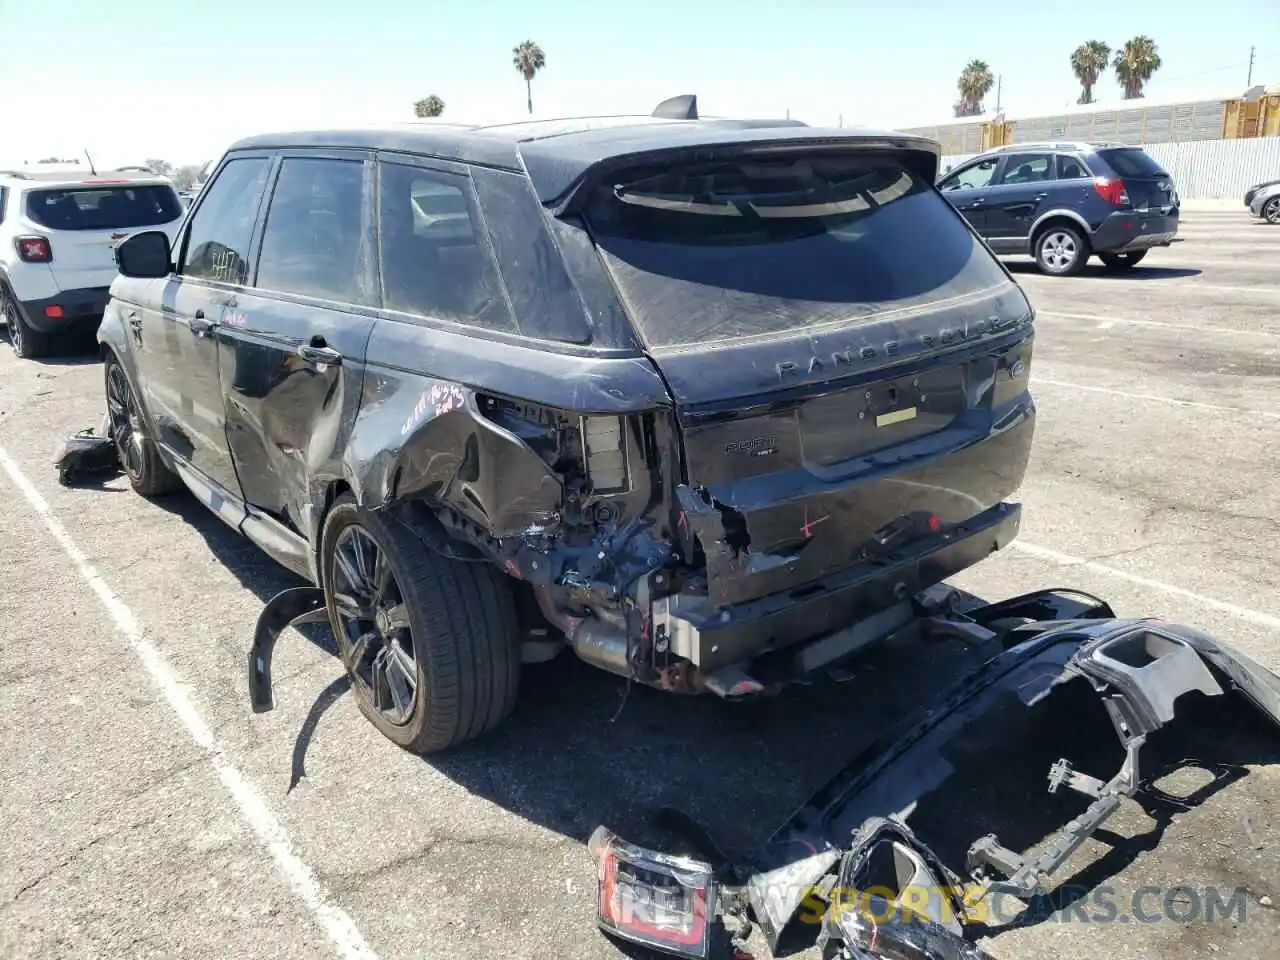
{"x": 1131, "y": 162}
{"x": 729, "y": 250}
{"x": 104, "y": 208}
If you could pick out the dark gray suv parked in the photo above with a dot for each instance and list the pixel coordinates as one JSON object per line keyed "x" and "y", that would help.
{"x": 672, "y": 393}
{"x": 1062, "y": 202}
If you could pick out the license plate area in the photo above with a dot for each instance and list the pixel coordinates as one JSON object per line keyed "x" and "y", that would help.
{"x": 853, "y": 423}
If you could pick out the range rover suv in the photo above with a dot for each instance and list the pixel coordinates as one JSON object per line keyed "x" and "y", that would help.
{"x": 679, "y": 393}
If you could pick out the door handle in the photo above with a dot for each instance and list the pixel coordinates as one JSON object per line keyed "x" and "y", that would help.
{"x": 977, "y": 203}
{"x": 319, "y": 353}
{"x": 201, "y": 326}
{"x": 1042, "y": 196}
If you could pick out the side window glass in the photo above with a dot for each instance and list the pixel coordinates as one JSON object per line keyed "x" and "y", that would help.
{"x": 436, "y": 259}
{"x": 1069, "y": 168}
{"x": 974, "y": 177}
{"x": 1028, "y": 168}
{"x": 217, "y": 246}
{"x": 314, "y": 240}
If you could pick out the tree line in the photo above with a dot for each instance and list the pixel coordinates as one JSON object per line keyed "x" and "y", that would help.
{"x": 1133, "y": 64}
{"x": 527, "y": 57}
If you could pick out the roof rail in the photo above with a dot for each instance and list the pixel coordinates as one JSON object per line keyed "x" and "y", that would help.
{"x": 133, "y": 168}
{"x": 16, "y": 174}
{"x": 683, "y": 107}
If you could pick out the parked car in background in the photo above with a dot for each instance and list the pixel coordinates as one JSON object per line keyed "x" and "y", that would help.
{"x": 1263, "y": 200}
{"x": 1063, "y": 202}
{"x": 674, "y": 394}
{"x": 58, "y": 233}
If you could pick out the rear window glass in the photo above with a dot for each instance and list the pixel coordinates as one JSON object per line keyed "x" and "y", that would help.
{"x": 104, "y": 208}
{"x": 729, "y": 250}
{"x": 1131, "y": 163}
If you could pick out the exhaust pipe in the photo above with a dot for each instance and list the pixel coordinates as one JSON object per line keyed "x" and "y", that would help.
{"x": 595, "y": 641}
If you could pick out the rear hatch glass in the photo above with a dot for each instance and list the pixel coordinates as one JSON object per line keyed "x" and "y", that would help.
{"x": 104, "y": 208}
{"x": 92, "y": 220}
{"x": 740, "y": 249}
{"x": 765, "y": 290}
{"x": 1146, "y": 182}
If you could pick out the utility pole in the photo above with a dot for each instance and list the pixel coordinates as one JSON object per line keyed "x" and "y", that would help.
{"x": 1249, "y": 83}
{"x": 841, "y": 121}
{"x": 999, "y": 85}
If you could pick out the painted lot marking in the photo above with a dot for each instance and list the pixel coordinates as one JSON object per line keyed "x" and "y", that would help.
{"x": 1105, "y": 322}
{"x": 337, "y": 925}
{"x": 1247, "y": 614}
{"x": 1153, "y": 398}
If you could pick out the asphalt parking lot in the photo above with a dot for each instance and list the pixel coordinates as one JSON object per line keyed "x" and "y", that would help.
{"x": 146, "y": 812}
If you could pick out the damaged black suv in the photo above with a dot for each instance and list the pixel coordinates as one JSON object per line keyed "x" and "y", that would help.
{"x": 692, "y": 397}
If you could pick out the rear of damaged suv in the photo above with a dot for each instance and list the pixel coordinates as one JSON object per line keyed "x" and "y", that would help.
{"x": 847, "y": 373}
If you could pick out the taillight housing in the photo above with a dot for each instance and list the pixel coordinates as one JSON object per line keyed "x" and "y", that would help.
{"x": 663, "y": 902}
{"x": 33, "y": 249}
{"x": 1112, "y": 190}
{"x": 604, "y": 443}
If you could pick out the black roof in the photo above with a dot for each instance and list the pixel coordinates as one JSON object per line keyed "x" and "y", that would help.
{"x": 556, "y": 153}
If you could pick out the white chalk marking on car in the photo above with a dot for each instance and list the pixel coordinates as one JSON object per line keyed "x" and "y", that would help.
{"x": 336, "y": 923}
{"x": 1256, "y": 617}
{"x": 1171, "y": 401}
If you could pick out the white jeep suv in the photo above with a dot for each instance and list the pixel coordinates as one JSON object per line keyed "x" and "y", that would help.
{"x": 58, "y": 233}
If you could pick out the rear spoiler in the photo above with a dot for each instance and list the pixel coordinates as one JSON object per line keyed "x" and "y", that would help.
{"x": 564, "y": 171}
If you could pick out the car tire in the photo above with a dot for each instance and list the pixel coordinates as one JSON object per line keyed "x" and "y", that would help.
{"x": 1117, "y": 262}
{"x": 27, "y": 343}
{"x": 1061, "y": 250}
{"x": 389, "y": 594}
{"x": 1271, "y": 210}
{"x": 139, "y": 457}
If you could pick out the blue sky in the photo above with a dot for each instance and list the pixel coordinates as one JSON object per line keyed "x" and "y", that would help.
{"x": 177, "y": 79}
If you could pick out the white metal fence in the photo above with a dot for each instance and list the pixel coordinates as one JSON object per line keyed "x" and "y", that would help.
{"x": 1207, "y": 169}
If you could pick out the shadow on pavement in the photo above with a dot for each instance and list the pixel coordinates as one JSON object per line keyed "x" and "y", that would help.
{"x": 1096, "y": 271}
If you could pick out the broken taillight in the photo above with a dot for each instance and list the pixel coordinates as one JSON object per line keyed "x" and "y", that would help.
{"x": 654, "y": 899}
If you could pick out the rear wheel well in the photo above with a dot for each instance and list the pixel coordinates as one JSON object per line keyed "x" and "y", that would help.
{"x": 335, "y": 489}
{"x": 1060, "y": 220}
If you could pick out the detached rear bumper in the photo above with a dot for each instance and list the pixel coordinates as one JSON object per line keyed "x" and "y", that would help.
{"x": 714, "y": 638}
{"x": 71, "y": 311}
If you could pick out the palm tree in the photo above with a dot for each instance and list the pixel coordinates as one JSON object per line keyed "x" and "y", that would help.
{"x": 431, "y": 106}
{"x": 976, "y": 81}
{"x": 1088, "y": 63}
{"x": 1134, "y": 64}
{"x": 528, "y": 59}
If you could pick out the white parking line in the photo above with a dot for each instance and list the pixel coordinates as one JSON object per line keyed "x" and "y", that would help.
{"x": 1105, "y": 321}
{"x": 337, "y": 925}
{"x": 1256, "y": 617}
{"x": 1153, "y": 398}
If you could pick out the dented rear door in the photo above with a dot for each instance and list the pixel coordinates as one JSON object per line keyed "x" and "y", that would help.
{"x": 848, "y": 360}
{"x": 292, "y": 345}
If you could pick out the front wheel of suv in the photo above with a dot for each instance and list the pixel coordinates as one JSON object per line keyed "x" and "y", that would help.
{"x": 1271, "y": 210}
{"x": 27, "y": 343}
{"x": 431, "y": 644}
{"x": 138, "y": 455}
{"x": 1061, "y": 250}
{"x": 1116, "y": 262}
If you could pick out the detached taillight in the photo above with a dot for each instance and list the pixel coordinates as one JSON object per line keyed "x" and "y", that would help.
{"x": 650, "y": 898}
{"x": 1112, "y": 191}
{"x": 33, "y": 249}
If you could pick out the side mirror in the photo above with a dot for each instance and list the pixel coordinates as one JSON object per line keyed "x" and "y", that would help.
{"x": 145, "y": 255}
